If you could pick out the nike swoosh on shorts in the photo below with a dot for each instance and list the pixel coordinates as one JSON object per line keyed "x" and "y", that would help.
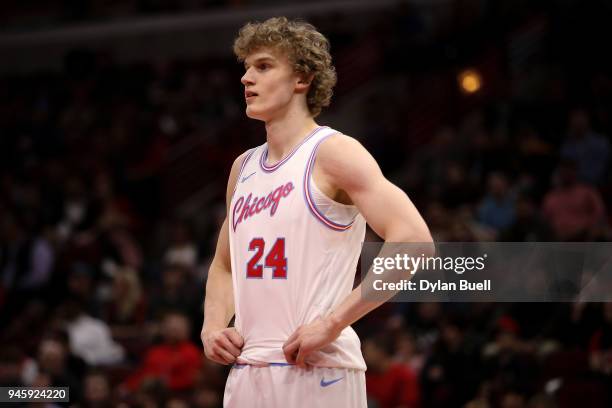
{"x": 328, "y": 383}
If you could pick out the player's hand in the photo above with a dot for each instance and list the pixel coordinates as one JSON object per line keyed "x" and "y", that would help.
{"x": 307, "y": 339}
{"x": 222, "y": 346}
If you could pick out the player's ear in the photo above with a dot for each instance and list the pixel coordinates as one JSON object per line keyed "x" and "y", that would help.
{"x": 303, "y": 82}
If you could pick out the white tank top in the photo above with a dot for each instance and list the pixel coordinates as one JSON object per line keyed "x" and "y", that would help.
{"x": 294, "y": 253}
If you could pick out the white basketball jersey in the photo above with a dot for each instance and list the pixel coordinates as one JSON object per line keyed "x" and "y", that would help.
{"x": 294, "y": 252}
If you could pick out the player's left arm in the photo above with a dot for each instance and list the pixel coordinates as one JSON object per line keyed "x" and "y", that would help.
{"x": 345, "y": 164}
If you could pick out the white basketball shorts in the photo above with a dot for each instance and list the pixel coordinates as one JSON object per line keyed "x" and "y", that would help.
{"x": 287, "y": 386}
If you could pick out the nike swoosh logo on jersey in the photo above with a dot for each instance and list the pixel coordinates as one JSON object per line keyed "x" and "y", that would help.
{"x": 245, "y": 178}
{"x": 328, "y": 383}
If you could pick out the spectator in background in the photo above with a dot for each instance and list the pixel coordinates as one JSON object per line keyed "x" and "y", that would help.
{"x": 126, "y": 311}
{"x": 528, "y": 226}
{"x": 206, "y": 398}
{"x": 152, "y": 394}
{"x": 450, "y": 375}
{"x": 209, "y": 386}
{"x": 12, "y": 366}
{"x": 127, "y": 305}
{"x": 497, "y": 208}
{"x": 120, "y": 248}
{"x": 177, "y": 292}
{"x": 389, "y": 384}
{"x": 464, "y": 227}
{"x": 52, "y": 361}
{"x": 456, "y": 189}
{"x": 96, "y": 391}
{"x": 428, "y": 168}
{"x": 478, "y": 403}
{"x": 25, "y": 331}
{"x": 534, "y": 153}
{"x": 509, "y": 361}
{"x": 81, "y": 286}
{"x": 176, "y": 403}
{"x": 575, "y": 211}
{"x": 114, "y": 209}
{"x": 182, "y": 250}
{"x": 407, "y": 353}
{"x": 90, "y": 338}
{"x": 26, "y": 256}
{"x": 423, "y": 320}
{"x": 589, "y": 150}
{"x": 175, "y": 362}
{"x": 541, "y": 401}
{"x": 439, "y": 220}
{"x": 78, "y": 214}
{"x": 512, "y": 399}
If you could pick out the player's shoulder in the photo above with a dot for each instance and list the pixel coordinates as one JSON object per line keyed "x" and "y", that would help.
{"x": 339, "y": 150}
{"x": 238, "y": 161}
{"x": 337, "y": 142}
{"x": 236, "y": 168}
{"x": 241, "y": 160}
{"x": 345, "y": 161}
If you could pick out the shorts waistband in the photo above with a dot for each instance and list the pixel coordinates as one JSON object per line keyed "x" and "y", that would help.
{"x": 242, "y": 365}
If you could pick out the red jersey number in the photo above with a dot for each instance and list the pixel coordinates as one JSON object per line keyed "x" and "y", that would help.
{"x": 275, "y": 259}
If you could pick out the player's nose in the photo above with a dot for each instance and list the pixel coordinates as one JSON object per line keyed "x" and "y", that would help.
{"x": 247, "y": 78}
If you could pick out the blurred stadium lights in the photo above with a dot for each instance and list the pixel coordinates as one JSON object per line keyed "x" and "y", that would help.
{"x": 470, "y": 81}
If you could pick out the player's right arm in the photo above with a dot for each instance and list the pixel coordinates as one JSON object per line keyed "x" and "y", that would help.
{"x": 221, "y": 343}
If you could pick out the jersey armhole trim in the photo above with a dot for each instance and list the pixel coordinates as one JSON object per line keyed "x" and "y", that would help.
{"x": 310, "y": 203}
{"x": 242, "y": 166}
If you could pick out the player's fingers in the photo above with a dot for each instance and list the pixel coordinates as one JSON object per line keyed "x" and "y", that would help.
{"x": 293, "y": 344}
{"x": 217, "y": 359}
{"x": 227, "y": 345}
{"x": 226, "y": 357}
{"x": 293, "y": 336}
{"x": 211, "y": 355}
{"x": 235, "y": 338}
{"x": 301, "y": 357}
{"x": 289, "y": 345}
{"x": 290, "y": 354}
{"x": 290, "y": 351}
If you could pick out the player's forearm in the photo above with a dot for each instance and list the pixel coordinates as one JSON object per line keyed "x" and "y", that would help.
{"x": 353, "y": 308}
{"x": 219, "y": 300}
{"x": 357, "y": 304}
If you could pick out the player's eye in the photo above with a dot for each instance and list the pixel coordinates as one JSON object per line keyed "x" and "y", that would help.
{"x": 263, "y": 67}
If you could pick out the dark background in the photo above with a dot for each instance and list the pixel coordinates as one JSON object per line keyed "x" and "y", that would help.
{"x": 119, "y": 121}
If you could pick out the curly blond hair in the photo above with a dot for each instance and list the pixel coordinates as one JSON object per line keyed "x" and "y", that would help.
{"x": 305, "y": 47}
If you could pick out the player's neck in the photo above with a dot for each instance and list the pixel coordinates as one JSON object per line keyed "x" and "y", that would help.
{"x": 283, "y": 134}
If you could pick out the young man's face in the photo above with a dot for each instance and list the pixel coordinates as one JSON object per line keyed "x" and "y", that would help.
{"x": 269, "y": 84}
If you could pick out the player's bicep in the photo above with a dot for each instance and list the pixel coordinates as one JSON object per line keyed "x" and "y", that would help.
{"x": 386, "y": 208}
{"x": 390, "y": 212}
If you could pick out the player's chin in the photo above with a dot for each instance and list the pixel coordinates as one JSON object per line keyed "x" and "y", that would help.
{"x": 255, "y": 113}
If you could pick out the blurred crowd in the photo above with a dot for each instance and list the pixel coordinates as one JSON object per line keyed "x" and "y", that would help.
{"x": 112, "y": 183}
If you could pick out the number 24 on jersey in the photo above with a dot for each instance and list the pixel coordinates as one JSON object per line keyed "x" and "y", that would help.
{"x": 275, "y": 259}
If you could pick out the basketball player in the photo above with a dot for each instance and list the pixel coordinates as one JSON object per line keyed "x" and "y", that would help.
{"x": 286, "y": 256}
